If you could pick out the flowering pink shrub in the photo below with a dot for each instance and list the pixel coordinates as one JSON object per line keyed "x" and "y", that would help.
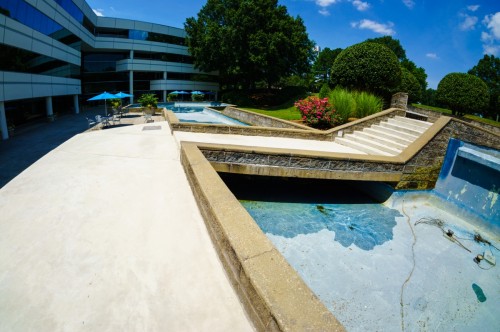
{"x": 316, "y": 112}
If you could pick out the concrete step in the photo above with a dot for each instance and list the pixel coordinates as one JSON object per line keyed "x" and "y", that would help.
{"x": 388, "y": 136}
{"x": 382, "y": 139}
{"x": 405, "y": 124}
{"x": 424, "y": 124}
{"x": 408, "y": 136}
{"x": 399, "y": 128}
{"x": 372, "y": 143}
{"x": 360, "y": 146}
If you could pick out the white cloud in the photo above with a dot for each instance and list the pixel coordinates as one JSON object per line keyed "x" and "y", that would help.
{"x": 491, "y": 38}
{"x": 409, "y": 3}
{"x": 324, "y": 12}
{"x": 360, "y": 5}
{"x": 473, "y": 8}
{"x": 432, "y": 56}
{"x": 491, "y": 49}
{"x": 492, "y": 22}
{"x": 326, "y": 3}
{"x": 469, "y": 22}
{"x": 98, "y": 12}
{"x": 383, "y": 29}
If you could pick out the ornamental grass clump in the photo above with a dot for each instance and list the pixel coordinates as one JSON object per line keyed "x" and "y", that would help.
{"x": 316, "y": 112}
{"x": 344, "y": 104}
{"x": 366, "y": 104}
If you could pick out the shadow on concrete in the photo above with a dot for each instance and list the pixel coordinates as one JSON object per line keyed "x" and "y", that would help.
{"x": 32, "y": 141}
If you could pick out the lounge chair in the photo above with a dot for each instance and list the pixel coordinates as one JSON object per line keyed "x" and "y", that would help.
{"x": 91, "y": 122}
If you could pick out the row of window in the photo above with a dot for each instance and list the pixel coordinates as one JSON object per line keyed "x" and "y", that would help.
{"x": 30, "y": 16}
{"x": 23, "y": 61}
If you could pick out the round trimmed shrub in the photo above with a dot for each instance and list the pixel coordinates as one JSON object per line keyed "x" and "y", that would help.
{"x": 463, "y": 93}
{"x": 367, "y": 67}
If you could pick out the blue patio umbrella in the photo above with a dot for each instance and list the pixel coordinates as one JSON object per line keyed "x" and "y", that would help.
{"x": 174, "y": 92}
{"x": 197, "y": 93}
{"x": 182, "y": 93}
{"x": 122, "y": 95}
{"x": 105, "y": 95}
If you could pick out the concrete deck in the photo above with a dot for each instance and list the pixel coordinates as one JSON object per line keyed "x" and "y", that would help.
{"x": 103, "y": 234}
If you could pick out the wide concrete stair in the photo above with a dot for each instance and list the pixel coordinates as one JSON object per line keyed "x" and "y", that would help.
{"x": 388, "y": 138}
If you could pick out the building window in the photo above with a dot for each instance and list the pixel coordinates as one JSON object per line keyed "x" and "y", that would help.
{"x": 19, "y": 60}
{"x": 31, "y": 17}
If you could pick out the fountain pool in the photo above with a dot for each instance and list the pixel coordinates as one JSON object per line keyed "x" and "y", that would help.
{"x": 382, "y": 260}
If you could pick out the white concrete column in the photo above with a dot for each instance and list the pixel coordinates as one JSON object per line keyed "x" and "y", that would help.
{"x": 131, "y": 54}
{"x": 131, "y": 84}
{"x": 165, "y": 91}
{"x": 48, "y": 107}
{"x": 75, "y": 104}
{"x": 3, "y": 121}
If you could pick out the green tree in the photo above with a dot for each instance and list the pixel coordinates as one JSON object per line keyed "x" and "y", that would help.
{"x": 248, "y": 41}
{"x": 367, "y": 67}
{"x": 410, "y": 85}
{"x": 400, "y": 52}
{"x": 463, "y": 93}
{"x": 488, "y": 69}
{"x": 324, "y": 62}
{"x": 325, "y": 90}
{"x": 429, "y": 97}
{"x": 391, "y": 43}
{"x": 418, "y": 72}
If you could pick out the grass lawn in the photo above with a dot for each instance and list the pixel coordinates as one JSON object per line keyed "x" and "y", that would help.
{"x": 290, "y": 113}
{"x": 468, "y": 116}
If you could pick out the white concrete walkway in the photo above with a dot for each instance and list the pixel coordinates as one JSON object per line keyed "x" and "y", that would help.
{"x": 269, "y": 142}
{"x": 103, "y": 234}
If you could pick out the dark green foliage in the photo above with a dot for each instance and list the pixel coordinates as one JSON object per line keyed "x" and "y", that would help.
{"x": 248, "y": 41}
{"x": 410, "y": 85}
{"x": 463, "y": 93}
{"x": 325, "y": 90}
{"x": 400, "y": 52}
{"x": 488, "y": 69}
{"x": 324, "y": 62}
{"x": 237, "y": 97}
{"x": 264, "y": 98}
{"x": 418, "y": 72}
{"x": 391, "y": 43}
{"x": 367, "y": 67}
{"x": 429, "y": 97}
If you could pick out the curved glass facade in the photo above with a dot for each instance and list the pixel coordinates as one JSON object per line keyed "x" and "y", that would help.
{"x": 84, "y": 64}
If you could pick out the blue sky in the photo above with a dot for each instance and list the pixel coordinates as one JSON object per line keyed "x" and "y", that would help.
{"x": 442, "y": 36}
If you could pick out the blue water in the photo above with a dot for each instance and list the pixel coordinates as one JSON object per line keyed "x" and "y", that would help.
{"x": 198, "y": 113}
{"x": 362, "y": 225}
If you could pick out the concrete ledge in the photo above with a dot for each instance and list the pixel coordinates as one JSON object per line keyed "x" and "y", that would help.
{"x": 274, "y": 296}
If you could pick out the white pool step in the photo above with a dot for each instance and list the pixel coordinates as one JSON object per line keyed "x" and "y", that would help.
{"x": 387, "y": 138}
